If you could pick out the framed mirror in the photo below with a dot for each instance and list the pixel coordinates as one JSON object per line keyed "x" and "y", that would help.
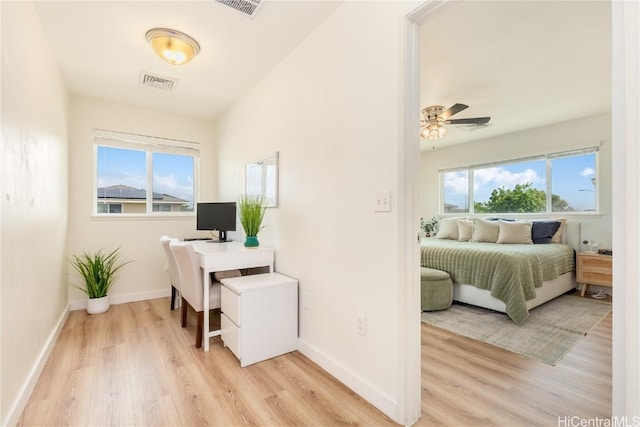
{"x": 262, "y": 179}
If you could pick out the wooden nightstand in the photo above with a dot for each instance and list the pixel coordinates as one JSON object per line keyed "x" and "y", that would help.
{"x": 594, "y": 269}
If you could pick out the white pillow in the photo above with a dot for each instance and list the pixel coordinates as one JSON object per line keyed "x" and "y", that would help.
{"x": 485, "y": 231}
{"x": 557, "y": 238}
{"x": 448, "y": 229}
{"x": 465, "y": 230}
{"x": 515, "y": 232}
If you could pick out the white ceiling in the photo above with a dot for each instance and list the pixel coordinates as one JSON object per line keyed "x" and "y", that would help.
{"x": 101, "y": 49}
{"x": 523, "y": 63}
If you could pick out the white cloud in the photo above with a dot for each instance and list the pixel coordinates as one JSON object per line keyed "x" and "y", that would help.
{"x": 123, "y": 178}
{"x": 456, "y": 182}
{"x": 169, "y": 185}
{"x": 165, "y": 184}
{"x": 501, "y": 177}
{"x": 586, "y": 172}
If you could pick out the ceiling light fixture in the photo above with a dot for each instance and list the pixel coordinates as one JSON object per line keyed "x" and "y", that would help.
{"x": 173, "y": 46}
{"x": 433, "y": 124}
{"x": 433, "y": 131}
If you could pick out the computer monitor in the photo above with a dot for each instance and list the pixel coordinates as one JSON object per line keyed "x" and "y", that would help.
{"x": 220, "y": 216}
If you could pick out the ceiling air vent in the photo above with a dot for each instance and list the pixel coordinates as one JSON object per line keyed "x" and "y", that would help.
{"x": 246, "y": 7}
{"x": 158, "y": 82}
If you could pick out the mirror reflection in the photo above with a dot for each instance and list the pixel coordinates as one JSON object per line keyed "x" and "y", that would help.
{"x": 262, "y": 179}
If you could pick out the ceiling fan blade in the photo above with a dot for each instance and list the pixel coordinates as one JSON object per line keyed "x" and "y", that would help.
{"x": 454, "y": 109}
{"x": 475, "y": 120}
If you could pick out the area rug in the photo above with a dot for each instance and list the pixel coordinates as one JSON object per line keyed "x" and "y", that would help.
{"x": 551, "y": 330}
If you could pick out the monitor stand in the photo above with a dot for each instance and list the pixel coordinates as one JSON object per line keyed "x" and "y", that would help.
{"x": 222, "y": 238}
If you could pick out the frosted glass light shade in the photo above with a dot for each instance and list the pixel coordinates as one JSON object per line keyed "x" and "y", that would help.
{"x": 173, "y": 46}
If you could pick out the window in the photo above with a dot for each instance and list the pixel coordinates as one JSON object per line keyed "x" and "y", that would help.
{"x": 109, "y": 207}
{"x": 559, "y": 182}
{"x": 143, "y": 175}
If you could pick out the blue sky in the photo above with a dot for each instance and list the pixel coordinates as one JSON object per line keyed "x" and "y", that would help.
{"x": 172, "y": 174}
{"x": 571, "y": 180}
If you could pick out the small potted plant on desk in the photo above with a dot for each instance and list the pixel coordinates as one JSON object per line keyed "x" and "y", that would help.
{"x": 429, "y": 227}
{"x": 99, "y": 273}
{"x": 251, "y": 213}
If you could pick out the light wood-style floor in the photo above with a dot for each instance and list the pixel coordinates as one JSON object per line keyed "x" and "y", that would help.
{"x": 470, "y": 383}
{"x": 134, "y": 365}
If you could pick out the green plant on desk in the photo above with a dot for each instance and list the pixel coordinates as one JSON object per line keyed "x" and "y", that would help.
{"x": 251, "y": 213}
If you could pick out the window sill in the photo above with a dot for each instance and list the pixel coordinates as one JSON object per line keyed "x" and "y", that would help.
{"x": 145, "y": 217}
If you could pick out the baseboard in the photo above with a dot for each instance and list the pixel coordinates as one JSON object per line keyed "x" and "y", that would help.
{"x": 27, "y": 388}
{"x": 371, "y": 394}
{"x": 121, "y": 299}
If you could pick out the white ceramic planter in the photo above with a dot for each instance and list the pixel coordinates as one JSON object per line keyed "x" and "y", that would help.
{"x": 97, "y": 305}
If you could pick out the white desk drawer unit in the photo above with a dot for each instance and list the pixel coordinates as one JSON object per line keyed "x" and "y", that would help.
{"x": 259, "y": 316}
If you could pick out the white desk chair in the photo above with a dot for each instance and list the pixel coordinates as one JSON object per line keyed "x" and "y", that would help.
{"x": 191, "y": 286}
{"x": 172, "y": 269}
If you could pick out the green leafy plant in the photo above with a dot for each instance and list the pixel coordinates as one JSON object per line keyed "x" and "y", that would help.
{"x": 429, "y": 227}
{"x": 98, "y": 271}
{"x": 251, "y": 213}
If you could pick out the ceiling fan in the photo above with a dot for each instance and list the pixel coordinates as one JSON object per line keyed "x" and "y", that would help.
{"x": 435, "y": 117}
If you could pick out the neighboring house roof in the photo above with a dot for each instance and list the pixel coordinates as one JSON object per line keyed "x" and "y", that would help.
{"x": 124, "y": 192}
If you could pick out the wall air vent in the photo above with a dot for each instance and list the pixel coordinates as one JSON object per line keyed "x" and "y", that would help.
{"x": 158, "y": 82}
{"x": 246, "y": 7}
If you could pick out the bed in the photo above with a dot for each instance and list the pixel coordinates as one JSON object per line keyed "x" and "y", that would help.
{"x": 510, "y": 278}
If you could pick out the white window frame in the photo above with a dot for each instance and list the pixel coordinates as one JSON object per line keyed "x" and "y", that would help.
{"x": 150, "y": 145}
{"x": 547, "y": 157}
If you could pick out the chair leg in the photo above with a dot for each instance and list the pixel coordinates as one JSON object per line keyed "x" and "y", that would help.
{"x": 199, "y": 328}
{"x": 173, "y": 297}
{"x": 184, "y": 312}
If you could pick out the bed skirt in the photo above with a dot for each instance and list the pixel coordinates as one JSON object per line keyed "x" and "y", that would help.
{"x": 551, "y": 289}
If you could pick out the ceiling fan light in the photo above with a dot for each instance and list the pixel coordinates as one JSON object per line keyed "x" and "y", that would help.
{"x": 433, "y": 131}
{"x": 173, "y": 46}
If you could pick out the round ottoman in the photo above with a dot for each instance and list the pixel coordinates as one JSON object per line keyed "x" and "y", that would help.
{"x": 436, "y": 289}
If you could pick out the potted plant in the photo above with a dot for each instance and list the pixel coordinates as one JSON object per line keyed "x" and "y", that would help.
{"x": 251, "y": 213}
{"x": 99, "y": 273}
{"x": 429, "y": 227}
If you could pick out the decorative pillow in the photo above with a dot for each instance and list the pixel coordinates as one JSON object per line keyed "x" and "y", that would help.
{"x": 485, "y": 231}
{"x": 543, "y": 231}
{"x": 448, "y": 229}
{"x": 515, "y": 232}
{"x": 465, "y": 230}
{"x": 557, "y": 238}
{"x": 219, "y": 275}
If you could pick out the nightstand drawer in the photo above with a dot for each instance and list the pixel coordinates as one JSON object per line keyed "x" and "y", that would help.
{"x": 594, "y": 262}
{"x": 594, "y": 277}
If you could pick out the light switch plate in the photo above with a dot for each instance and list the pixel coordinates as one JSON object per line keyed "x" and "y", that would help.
{"x": 383, "y": 201}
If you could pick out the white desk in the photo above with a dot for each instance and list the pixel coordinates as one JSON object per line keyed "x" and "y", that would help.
{"x": 226, "y": 256}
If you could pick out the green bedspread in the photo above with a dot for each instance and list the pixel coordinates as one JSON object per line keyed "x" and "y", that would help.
{"x": 510, "y": 272}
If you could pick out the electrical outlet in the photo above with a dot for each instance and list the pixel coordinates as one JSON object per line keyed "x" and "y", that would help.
{"x": 362, "y": 325}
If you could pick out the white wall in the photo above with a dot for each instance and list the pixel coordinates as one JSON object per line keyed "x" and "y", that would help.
{"x": 139, "y": 237}
{"x": 557, "y": 137}
{"x": 626, "y": 202}
{"x": 34, "y": 205}
{"x": 331, "y": 109}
